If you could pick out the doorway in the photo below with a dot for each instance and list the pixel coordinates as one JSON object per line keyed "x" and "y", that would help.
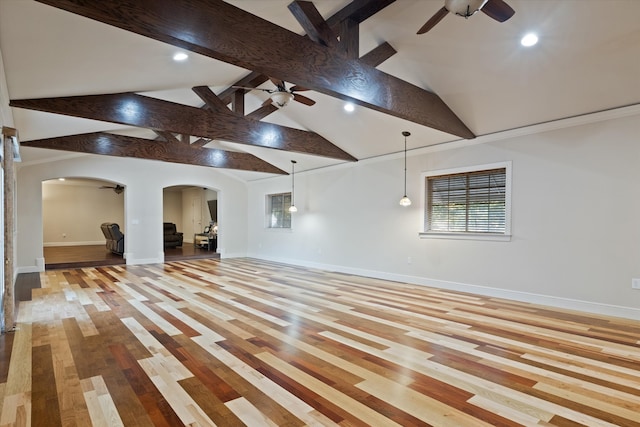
{"x": 72, "y": 211}
{"x": 187, "y": 207}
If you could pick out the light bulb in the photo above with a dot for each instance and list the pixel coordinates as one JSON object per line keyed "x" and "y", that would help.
{"x": 405, "y": 201}
{"x": 293, "y": 208}
{"x": 529, "y": 40}
{"x": 180, "y": 56}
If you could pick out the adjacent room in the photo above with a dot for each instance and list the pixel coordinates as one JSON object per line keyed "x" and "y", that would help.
{"x": 328, "y": 213}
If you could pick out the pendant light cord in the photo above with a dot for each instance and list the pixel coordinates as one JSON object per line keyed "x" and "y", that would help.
{"x": 293, "y": 181}
{"x": 405, "y": 165}
{"x": 405, "y": 201}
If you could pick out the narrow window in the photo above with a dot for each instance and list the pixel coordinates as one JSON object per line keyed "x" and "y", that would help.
{"x": 278, "y": 215}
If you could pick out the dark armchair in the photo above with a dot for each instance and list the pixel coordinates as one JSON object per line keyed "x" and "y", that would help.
{"x": 113, "y": 236}
{"x": 171, "y": 237}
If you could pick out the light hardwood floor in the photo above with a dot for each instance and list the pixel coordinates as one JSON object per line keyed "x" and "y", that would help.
{"x": 97, "y": 255}
{"x": 246, "y": 342}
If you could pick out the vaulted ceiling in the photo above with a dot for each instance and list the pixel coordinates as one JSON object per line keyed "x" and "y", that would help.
{"x": 97, "y": 77}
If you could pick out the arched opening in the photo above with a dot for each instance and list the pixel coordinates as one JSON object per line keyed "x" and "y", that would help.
{"x": 73, "y": 212}
{"x": 192, "y": 211}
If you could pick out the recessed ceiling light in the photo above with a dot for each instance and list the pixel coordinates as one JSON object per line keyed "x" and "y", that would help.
{"x": 349, "y": 107}
{"x": 529, "y": 40}
{"x": 180, "y": 56}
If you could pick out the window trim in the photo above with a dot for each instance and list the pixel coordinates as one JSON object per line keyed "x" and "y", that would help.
{"x": 503, "y": 237}
{"x": 268, "y": 210}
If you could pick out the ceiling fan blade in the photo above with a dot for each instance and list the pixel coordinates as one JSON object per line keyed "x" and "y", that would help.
{"x": 267, "y": 102}
{"x": 434, "y": 20}
{"x": 498, "y": 10}
{"x": 279, "y": 83}
{"x": 252, "y": 88}
{"x": 303, "y": 99}
{"x": 297, "y": 88}
{"x": 105, "y": 187}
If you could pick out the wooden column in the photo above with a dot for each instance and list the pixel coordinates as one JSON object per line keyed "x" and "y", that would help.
{"x": 8, "y": 135}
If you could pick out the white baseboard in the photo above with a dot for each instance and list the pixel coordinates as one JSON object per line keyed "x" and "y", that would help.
{"x": 224, "y": 254}
{"x": 29, "y": 269}
{"x": 548, "y": 300}
{"x": 37, "y": 268}
{"x": 140, "y": 261}
{"x": 67, "y": 243}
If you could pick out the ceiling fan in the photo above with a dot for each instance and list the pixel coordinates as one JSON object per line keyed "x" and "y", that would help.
{"x": 496, "y": 9}
{"x": 118, "y": 188}
{"x": 281, "y": 96}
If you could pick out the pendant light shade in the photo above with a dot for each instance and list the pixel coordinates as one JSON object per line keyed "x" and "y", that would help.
{"x": 405, "y": 201}
{"x": 293, "y": 208}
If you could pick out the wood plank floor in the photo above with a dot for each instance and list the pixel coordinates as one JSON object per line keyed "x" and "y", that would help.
{"x": 97, "y": 255}
{"x": 245, "y": 342}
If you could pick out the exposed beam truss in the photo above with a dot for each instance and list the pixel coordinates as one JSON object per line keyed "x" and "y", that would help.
{"x": 222, "y": 31}
{"x": 126, "y": 146}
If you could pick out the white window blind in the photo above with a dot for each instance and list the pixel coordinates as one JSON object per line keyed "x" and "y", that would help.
{"x": 278, "y": 215}
{"x": 470, "y": 202}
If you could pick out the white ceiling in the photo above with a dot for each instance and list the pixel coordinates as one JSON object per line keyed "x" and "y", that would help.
{"x": 587, "y": 60}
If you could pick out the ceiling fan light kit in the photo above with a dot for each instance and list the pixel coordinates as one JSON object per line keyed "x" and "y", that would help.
{"x": 118, "y": 189}
{"x": 281, "y": 96}
{"x": 281, "y": 99}
{"x": 495, "y": 9}
{"x": 464, "y": 8}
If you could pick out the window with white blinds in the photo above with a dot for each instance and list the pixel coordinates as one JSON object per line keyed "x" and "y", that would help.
{"x": 473, "y": 202}
{"x": 278, "y": 215}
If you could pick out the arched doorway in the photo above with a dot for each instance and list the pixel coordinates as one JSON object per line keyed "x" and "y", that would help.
{"x": 73, "y": 210}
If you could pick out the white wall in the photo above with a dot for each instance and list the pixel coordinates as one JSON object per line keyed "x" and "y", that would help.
{"x": 576, "y": 204}
{"x": 72, "y": 213}
{"x": 144, "y": 181}
{"x": 172, "y": 207}
{"x": 575, "y": 220}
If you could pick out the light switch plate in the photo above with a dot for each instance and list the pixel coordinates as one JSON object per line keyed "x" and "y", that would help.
{"x": 635, "y": 283}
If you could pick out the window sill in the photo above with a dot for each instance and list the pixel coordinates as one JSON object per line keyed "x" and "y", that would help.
{"x": 467, "y": 236}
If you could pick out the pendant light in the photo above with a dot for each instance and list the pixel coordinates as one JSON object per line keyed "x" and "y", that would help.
{"x": 405, "y": 201}
{"x": 293, "y": 208}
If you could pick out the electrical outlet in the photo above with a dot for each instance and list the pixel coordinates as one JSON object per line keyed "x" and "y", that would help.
{"x": 635, "y": 283}
{"x": 408, "y": 260}
{"x": 64, "y": 235}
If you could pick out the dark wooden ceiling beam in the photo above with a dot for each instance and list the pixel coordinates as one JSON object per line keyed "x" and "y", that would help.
{"x": 237, "y": 103}
{"x": 126, "y": 146}
{"x": 222, "y": 31}
{"x": 262, "y": 112}
{"x": 357, "y": 11}
{"x": 167, "y": 136}
{"x": 349, "y": 34}
{"x": 346, "y": 23}
{"x": 210, "y": 99}
{"x": 200, "y": 142}
{"x": 151, "y": 113}
{"x": 253, "y": 79}
{"x": 378, "y": 55}
{"x": 313, "y": 23}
